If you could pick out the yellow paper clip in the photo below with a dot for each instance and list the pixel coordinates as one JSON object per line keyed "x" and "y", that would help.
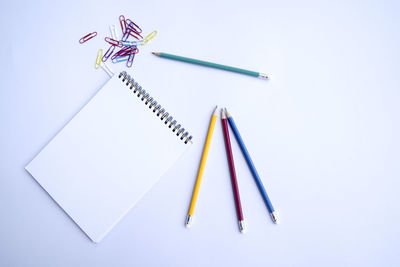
{"x": 149, "y": 37}
{"x": 97, "y": 64}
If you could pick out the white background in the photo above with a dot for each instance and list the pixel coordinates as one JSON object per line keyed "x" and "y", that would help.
{"x": 323, "y": 132}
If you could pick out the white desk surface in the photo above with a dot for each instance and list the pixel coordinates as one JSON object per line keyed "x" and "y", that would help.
{"x": 323, "y": 132}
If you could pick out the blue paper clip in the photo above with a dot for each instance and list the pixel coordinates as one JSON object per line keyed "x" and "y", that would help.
{"x": 129, "y": 43}
{"x": 120, "y": 59}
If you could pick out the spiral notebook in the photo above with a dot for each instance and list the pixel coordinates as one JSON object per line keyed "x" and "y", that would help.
{"x": 109, "y": 155}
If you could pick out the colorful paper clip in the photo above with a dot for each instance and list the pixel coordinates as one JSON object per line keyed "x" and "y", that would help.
{"x": 108, "y": 53}
{"x": 113, "y": 42}
{"x": 135, "y": 29}
{"x": 87, "y": 37}
{"x": 107, "y": 69}
{"x": 113, "y": 31}
{"x": 97, "y": 64}
{"x": 149, "y": 37}
{"x": 126, "y": 51}
{"x": 123, "y": 23}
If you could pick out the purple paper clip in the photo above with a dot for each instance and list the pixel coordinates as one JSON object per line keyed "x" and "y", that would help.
{"x": 108, "y": 53}
{"x": 133, "y": 26}
{"x": 130, "y": 59}
{"x": 126, "y": 33}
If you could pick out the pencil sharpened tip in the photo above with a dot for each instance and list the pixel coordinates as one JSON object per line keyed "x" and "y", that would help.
{"x": 156, "y": 53}
{"x": 189, "y": 219}
{"x": 274, "y": 217}
{"x": 242, "y": 227}
{"x": 263, "y": 76}
{"x": 215, "y": 110}
{"x": 227, "y": 113}
{"x": 223, "y": 116}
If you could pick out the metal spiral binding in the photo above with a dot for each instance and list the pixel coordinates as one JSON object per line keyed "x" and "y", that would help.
{"x": 152, "y": 103}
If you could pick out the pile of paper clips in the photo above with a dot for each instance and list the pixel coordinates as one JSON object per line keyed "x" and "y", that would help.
{"x": 127, "y": 49}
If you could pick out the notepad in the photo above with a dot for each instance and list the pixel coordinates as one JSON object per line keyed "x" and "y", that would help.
{"x": 109, "y": 155}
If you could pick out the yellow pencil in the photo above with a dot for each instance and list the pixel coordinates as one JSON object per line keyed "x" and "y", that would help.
{"x": 201, "y": 169}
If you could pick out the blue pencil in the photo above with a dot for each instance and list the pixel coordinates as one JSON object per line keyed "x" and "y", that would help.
{"x": 253, "y": 170}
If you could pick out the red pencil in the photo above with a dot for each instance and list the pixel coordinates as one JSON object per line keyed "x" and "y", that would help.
{"x": 233, "y": 173}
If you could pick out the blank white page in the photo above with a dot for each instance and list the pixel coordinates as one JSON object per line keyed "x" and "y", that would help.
{"x": 106, "y": 158}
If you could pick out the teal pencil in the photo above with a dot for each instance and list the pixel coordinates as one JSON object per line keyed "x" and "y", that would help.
{"x": 212, "y": 65}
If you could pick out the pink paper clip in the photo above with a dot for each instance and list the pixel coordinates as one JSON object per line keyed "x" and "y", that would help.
{"x": 111, "y": 41}
{"x": 87, "y": 37}
{"x": 132, "y": 33}
{"x": 108, "y": 53}
{"x": 123, "y": 23}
